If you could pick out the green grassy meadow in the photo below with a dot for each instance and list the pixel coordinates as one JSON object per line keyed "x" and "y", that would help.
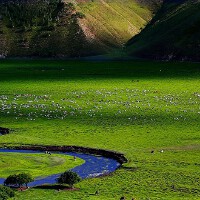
{"x": 130, "y": 107}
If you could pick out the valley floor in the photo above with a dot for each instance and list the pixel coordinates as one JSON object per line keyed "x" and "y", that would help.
{"x": 130, "y": 107}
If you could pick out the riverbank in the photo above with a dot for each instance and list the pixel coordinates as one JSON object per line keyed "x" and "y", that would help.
{"x": 78, "y": 149}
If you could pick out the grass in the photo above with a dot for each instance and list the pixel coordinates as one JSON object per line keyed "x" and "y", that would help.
{"x": 157, "y": 42}
{"x": 35, "y": 164}
{"x": 131, "y": 107}
{"x": 113, "y": 23}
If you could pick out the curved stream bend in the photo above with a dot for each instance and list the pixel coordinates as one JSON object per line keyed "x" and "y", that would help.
{"x": 94, "y": 166}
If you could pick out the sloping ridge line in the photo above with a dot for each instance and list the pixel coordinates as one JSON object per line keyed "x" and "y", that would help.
{"x": 79, "y": 149}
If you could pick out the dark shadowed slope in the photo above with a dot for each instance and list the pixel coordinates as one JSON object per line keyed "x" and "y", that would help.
{"x": 174, "y": 33}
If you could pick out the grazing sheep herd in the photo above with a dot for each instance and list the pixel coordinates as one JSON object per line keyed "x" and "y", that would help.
{"x": 134, "y": 104}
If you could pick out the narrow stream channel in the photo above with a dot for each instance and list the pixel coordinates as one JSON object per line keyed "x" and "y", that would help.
{"x": 94, "y": 166}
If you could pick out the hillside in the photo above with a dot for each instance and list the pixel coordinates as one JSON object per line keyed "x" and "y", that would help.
{"x": 113, "y": 23}
{"x": 173, "y": 33}
{"x": 91, "y": 26}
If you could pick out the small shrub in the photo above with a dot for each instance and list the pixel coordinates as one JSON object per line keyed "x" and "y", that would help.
{"x": 11, "y": 180}
{"x": 69, "y": 178}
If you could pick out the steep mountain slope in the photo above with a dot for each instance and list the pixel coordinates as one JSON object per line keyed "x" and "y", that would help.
{"x": 99, "y": 27}
{"x": 113, "y": 23}
{"x": 174, "y": 33}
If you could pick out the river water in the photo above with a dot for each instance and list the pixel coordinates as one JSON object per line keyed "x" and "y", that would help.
{"x": 94, "y": 166}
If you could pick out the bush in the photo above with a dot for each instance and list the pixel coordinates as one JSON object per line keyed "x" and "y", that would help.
{"x": 3, "y": 196}
{"x": 18, "y": 179}
{"x": 69, "y": 178}
{"x": 24, "y": 178}
{"x": 11, "y": 180}
{"x": 6, "y": 192}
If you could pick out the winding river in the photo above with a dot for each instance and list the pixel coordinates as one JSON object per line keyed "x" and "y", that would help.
{"x": 94, "y": 166}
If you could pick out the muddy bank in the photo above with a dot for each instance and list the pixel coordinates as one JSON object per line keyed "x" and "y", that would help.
{"x": 106, "y": 153}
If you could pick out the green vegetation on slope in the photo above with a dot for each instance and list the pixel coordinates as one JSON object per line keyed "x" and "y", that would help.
{"x": 52, "y": 28}
{"x": 6, "y": 192}
{"x": 37, "y": 165}
{"x": 173, "y": 33}
{"x": 113, "y": 23}
{"x": 41, "y": 28}
{"x": 131, "y": 107}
